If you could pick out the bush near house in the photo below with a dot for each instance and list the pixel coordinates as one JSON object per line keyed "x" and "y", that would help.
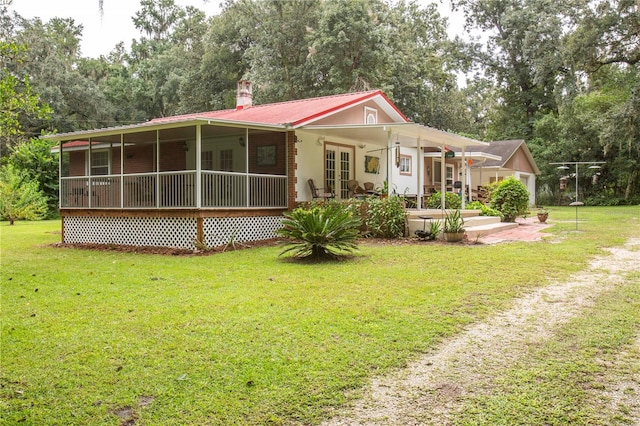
{"x": 511, "y": 198}
{"x": 321, "y": 232}
{"x": 386, "y": 217}
{"x": 451, "y": 201}
{"x": 484, "y": 209}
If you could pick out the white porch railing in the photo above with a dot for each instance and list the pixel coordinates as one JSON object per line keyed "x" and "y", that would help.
{"x": 174, "y": 190}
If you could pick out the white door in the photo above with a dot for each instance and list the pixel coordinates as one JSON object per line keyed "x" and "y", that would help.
{"x": 338, "y": 168}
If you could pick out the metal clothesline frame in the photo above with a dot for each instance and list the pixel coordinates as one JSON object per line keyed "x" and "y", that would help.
{"x": 564, "y": 165}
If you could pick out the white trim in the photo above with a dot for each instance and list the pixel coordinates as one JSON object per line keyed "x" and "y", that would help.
{"x": 370, "y": 112}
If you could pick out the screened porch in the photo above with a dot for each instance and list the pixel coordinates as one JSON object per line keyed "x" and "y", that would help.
{"x": 189, "y": 167}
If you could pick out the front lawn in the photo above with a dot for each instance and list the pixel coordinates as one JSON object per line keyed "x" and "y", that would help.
{"x": 247, "y": 337}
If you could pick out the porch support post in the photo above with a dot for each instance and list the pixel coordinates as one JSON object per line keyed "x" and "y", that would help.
{"x": 90, "y": 187}
{"x": 464, "y": 178}
{"x": 443, "y": 176}
{"x": 158, "y": 169}
{"x": 470, "y": 184}
{"x": 420, "y": 171}
{"x": 121, "y": 170}
{"x": 199, "y": 166}
{"x": 389, "y": 160}
{"x": 246, "y": 169}
{"x": 200, "y": 230}
{"x": 60, "y": 178}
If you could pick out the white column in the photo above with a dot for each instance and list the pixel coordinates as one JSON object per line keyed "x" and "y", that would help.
{"x": 389, "y": 161}
{"x": 157, "y": 168}
{"x": 89, "y": 188}
{"x": 199, "y": 166}
{"x": 443, "y": 177}
{"x": 464, "y": 178}
{"x": 121, "y": 170}
{"x": 420, "y": 171}
{"x": 60, "y": 177}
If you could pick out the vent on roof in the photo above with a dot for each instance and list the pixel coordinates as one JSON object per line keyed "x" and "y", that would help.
{"x": 244, "y": 94}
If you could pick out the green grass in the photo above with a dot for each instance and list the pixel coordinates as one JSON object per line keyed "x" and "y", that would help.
{"x": 247, "y": 337}
{"x": 558, "y": 382}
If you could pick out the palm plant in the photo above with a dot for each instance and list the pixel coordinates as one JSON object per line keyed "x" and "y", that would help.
{"x": 321, "y": 233}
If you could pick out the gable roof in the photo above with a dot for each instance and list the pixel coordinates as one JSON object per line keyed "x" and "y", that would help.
{"x": 279, "y": 115}
{"x": 295, "y": 113}
{"x": 506, "y": 149}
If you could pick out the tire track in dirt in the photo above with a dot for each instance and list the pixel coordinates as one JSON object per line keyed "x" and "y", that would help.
{"x": 435, "y": 386}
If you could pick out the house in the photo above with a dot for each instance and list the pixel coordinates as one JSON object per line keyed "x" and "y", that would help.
{"x": 218, "y": 176}
{"x": 492, "y": 163}
{"x": 509, "y": 158}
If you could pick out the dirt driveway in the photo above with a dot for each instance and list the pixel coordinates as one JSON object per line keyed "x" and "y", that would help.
{"x": 436, "y": 385}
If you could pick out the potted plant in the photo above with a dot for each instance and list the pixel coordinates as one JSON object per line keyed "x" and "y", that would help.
{"x": 453, "y": 228}
{"x": 543, "y": 214}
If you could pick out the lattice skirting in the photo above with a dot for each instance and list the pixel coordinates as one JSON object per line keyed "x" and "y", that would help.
{"x": 219, "y": 231}
{"x": 167, "y": 231}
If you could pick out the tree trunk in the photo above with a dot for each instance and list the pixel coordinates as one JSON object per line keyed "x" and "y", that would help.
{"x": 630, "y": 181}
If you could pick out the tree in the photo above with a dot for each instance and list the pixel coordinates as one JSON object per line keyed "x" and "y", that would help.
{"x": 20, "y": 197}
{"x": 51, "y": 62}
{"x": 523, "y": 57}
{"x": 17, "y": 100}
{"x": 34, "y": 159}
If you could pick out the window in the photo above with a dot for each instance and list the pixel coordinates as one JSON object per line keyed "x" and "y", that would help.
{"x": 437, "y": 171}
{"x": 207, "y": 160}
{"x": 99, "y": 163}
{"x": 226, "y": 160}
{"x": 405, "y": 165}
{"x": 370, "y": 115}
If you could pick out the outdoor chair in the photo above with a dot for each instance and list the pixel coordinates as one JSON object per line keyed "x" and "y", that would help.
{"x": 320, "y": 192}
{"x": 355, "y": 190}
{"x": 368, "y": 188}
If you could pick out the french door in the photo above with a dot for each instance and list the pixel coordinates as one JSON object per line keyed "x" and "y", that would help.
{"x": 338, "y": 168}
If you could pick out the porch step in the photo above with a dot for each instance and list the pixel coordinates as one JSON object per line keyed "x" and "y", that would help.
{"x": 474, "y": 225}
{"x": 474, "y": 232}
{"x": 439, "y": 214}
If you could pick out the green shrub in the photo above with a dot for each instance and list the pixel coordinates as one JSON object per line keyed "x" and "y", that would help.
{"x": 511, "y": 198}
{"x": 453, "y": 222}
{"x": 451, "y": 201}
{"x": 320, "y": 232}
{"x": 386, "y": 217}
{"x": 485, "y": 210}
{"x": 20, "y": 196}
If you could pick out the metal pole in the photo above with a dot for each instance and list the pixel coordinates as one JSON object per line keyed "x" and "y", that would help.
{"x": 576, "y": 187}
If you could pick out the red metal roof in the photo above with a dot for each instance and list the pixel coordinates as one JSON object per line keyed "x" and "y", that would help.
{"x": 293, "y": 113}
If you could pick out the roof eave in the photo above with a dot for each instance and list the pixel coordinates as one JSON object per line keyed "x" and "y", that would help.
{"x": 149, "y": 125}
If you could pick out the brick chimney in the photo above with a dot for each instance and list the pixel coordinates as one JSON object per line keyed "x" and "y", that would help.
{"x": 244, "y": 94}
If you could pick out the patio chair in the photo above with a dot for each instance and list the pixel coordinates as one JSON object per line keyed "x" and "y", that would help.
{"x": 320, "y": 192}
{"x": 368, "y": 188}
{"x": 355, "y": 190}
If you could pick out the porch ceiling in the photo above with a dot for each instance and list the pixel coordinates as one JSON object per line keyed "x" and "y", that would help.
{"x": 407, "y": 134}
{"x": 471, "y": 155}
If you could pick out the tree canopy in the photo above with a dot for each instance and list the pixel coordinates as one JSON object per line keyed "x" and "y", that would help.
{"x": 561, "y": 75}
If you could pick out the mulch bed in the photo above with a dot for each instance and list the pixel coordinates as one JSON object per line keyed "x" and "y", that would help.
{"x": 173, "y": 251}
{"x": 167, "y": 251}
